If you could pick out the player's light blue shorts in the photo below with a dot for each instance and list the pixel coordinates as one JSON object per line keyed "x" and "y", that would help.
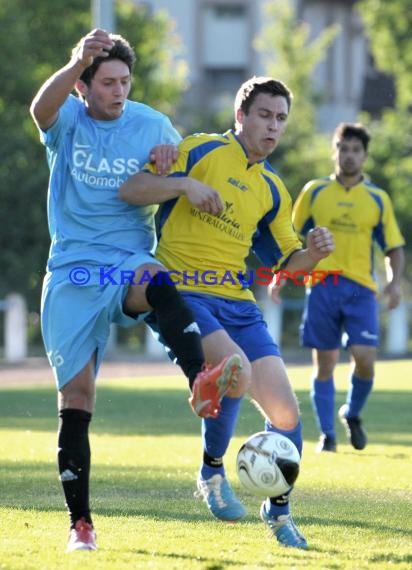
{"x": 332, "y": 309}
{"x": 76, "y": 318}
{"x": 242, "y": 320}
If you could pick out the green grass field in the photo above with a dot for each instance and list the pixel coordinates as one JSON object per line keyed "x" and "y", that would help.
{"x": 355, "y": 508}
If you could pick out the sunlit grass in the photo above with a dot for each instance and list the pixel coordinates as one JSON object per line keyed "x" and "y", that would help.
{"x": 354, "y": 507}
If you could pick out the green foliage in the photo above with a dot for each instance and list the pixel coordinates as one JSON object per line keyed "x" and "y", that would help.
{"x": 40, "y": 36}
{"x": 390, "y": 167}
{"x": 395, "y": 174}
{"x": 33, "y": 51}
{"x": 389, "y": 27}
{"x": 160, "y": 70}
{"x": 289, "y": 55}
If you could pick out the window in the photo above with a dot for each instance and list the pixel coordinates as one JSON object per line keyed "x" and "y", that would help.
{"x": 225, "y": 36}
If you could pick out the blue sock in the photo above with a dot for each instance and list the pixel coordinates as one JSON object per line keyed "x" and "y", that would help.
{"x": 357, "y": 395}
{"x": 323, "y": 401}
{"x": 216, "y": 436}
{"x": 281, "y": 506}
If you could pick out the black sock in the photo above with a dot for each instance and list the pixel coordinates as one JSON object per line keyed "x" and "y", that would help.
{"x": 282, "y": 499}
{"x": 210, "y": 461}
{"x": 73, "y": 458}
{"x": 176, "y": 324}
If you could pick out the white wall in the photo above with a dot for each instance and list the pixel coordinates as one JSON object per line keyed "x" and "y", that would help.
{"x": 339, "y": 77}
{"x": 183, "y": 13}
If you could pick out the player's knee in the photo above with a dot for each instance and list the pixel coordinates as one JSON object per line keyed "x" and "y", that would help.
{"x": 78, "y": 395}
{"x": 365, "y": 370}
{"x": 287, "y": 421}
{"x": 78, "y": 401}
{"x": 364, "y": 363}
{"x": 325, "y": 370}
{"x": 285, "y": 417}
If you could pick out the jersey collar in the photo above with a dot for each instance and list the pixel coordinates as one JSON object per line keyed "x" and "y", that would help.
{"x": 235, "y": 139}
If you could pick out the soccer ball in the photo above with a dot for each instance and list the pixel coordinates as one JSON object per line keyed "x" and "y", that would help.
{"x": 268, "y": 464}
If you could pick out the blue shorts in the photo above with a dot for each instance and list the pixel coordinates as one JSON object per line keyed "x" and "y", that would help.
{"x": 242, "y": 320}
{"x": 333, "y": 309}
{"x": 76, "y": 318}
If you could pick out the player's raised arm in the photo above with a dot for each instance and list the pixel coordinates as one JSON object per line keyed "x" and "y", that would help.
{"x": 53, "y": 93}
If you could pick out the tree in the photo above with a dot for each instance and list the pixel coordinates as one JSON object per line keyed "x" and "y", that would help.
{"x": 41, "y": 35}
{"x": 390, "y": 162}
{"x": 289, "y": 54}
{"x": 388, "y": 26}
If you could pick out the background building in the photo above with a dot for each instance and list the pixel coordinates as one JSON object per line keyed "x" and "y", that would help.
{"x": 218, "y": 46}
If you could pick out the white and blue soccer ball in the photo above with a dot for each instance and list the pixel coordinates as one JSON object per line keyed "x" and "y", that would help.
{"x": 268, "y": 464}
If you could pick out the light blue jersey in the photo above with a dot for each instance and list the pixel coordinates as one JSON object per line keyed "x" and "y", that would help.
{"x": 92, "y": 230}
{"x": 89, "y": 160}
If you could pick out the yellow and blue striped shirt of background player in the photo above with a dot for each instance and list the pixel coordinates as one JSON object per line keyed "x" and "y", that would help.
{"x": 358, "y": 218}
{"x": 257, "y": 214}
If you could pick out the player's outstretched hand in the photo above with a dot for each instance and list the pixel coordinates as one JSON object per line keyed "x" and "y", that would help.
{"x": 320, "y": 243}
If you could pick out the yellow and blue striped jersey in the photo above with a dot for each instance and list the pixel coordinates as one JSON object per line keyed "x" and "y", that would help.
{"x": 358, "y": 218}
{"x": 257, "y": 215}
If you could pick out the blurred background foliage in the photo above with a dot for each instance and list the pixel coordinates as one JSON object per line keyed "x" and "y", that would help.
{"x": 41, "y": 35}
{"x": 40, "y": 42}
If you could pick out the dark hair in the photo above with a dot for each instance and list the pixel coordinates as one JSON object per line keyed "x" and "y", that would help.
{"x": 121, "y": 50}
{"x": 249, "y": 90}
{"x": 350, "y": 131}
